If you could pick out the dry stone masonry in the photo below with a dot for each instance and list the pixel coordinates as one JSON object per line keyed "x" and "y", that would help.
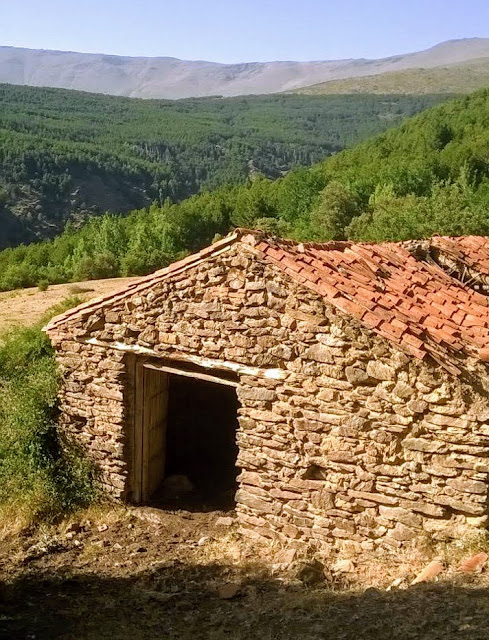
{"x": 376, "y": 433}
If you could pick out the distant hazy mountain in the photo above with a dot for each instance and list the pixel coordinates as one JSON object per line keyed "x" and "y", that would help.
{"x": 173, "y": 78}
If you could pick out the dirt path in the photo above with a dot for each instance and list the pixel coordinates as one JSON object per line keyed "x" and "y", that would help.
{"x": 27, "y": 306}
{"x": 143, "y": 574}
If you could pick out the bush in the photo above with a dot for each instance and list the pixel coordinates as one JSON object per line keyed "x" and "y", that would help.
{"x": 18, "y": 276}
{"x": 333, "y": 212}
{"x": 43, "y": 285}
{"x": 40, "y": 473}
{"x": 95, "y": 267}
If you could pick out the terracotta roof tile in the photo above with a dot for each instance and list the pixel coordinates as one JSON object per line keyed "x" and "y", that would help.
{"x": 414, "y": 303}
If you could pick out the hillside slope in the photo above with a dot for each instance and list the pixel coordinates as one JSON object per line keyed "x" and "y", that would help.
{"x": 428, "y": 176}
{"x": 457, "y": 78}
{"x": 67, "y": 155}
{"x": 173, "y": 78}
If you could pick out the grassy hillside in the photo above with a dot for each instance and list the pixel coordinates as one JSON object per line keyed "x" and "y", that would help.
{"x": 26, "y": 307}
{"x": 42, "y": 476}
{"x": 430, "y": 175}
{"x": 66, "y": 155}
{"x": 453, "y": 79}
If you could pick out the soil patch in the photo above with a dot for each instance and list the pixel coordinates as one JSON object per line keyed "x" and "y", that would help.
{"x": 146, "y": 573}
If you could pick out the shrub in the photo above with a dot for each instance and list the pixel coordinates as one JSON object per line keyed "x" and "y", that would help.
{"x": 40, "y": 473}
{"x": 43, "y": 285}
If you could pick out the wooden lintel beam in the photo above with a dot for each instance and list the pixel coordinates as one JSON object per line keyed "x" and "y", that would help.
{"x": 206, "y": 363}
{"x": 191, "y": 374}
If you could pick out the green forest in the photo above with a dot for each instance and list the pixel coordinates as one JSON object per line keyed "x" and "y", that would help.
{"x": 66, "y": 156}
{"x": 430, "y": 175}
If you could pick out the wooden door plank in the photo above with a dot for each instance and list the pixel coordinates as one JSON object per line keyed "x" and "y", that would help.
{"x": 138, "y": 431}
{"x": 155, "y": 405}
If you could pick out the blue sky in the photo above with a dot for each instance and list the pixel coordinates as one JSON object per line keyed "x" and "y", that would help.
{"x": 229, "y": 31}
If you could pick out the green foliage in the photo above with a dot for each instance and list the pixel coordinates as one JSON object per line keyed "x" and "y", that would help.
{"x": 334, "y": 211}
{"x": 43, "y": 284}
{"x": 253, "y": 203}
{"x": 449, "y": 210}
{"x": 39, "y": 473}
{"x": 67, "y": 155}
{"x": 429, "y": 176}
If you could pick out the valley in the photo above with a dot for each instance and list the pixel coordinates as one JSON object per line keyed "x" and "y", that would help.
{"x": 66, "y": 156}
{"x": 427, "y": 176}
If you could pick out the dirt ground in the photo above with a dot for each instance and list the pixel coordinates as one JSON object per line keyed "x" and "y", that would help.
{"x": 145, "y": 573}
{"x": 27, "y": 306}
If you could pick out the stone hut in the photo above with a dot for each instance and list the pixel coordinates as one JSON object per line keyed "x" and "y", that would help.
{"x": 339, "y": 391}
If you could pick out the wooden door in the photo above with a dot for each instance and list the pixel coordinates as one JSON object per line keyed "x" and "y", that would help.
{"x": 152, "y": 406}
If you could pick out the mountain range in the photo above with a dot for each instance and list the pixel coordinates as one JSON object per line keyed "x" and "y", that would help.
{"x": 166, "y": 77}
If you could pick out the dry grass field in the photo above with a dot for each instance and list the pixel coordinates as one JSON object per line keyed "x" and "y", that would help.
{"x": 27, "y": 306}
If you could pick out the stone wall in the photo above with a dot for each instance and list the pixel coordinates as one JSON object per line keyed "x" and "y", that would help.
{"x": 357, "y": 442}
{"x": 94, "y": 413}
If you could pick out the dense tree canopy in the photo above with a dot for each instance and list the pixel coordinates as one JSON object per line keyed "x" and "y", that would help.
{"x": 66, "y": 155}
{"x": 430, "y": 175}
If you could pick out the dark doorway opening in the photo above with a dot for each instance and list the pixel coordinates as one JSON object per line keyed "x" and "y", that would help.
{"x": 201, "y": 440}
{"x": 188, "y": 424}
